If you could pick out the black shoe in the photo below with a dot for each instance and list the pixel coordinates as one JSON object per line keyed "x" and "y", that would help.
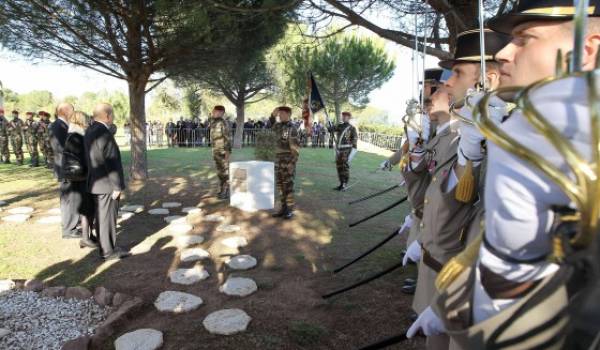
{"x": 288, "y": 214}
{"x": 410, "y": 281}
{"x": 409, "y": 289}
{"x": 86, "y": 243}
{"x": 344, "y": 187}
{"x": 339, "y": 188}
{"x": 117, "y": 254}
{"x": 224, "y": 194}
{"x": 413, "y": 317}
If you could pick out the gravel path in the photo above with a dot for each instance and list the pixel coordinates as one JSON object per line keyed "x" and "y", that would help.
{"x": 37, "y": 322}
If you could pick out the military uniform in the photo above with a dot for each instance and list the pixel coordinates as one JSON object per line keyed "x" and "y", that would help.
{"x": 44, "y": 140}
{"x": 31, "y": 130}
{"x": 221, "y": 148}
{"x": 347, "y": 139}
{"x": 4, "y": 134}
{"x": 15, "y": 129}
{"x": 287, "y": 152}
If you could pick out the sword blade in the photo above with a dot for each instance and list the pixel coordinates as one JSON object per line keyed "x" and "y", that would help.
{"x": 392, "y": 206}
{"x": 385, "y": 240}
{"x": 363, "y": 282}
{"x": 386, "y": 342}
{"x": 376, "y": 194}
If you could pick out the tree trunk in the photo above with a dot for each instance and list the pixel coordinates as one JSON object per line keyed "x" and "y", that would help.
{"x": 338, "y": 112}
{"x": 240, "y": 119}
{"x": 137, "y": 116}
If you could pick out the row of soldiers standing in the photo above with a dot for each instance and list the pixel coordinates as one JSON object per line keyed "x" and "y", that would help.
{"x": 34, "y": 134}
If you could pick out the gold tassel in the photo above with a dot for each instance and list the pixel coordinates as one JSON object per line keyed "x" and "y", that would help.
{"x": 558, "y": 252}
{"x": 404, "y": 161}
{"x": 465, "y": 189}
{"x": 458, "y": 264}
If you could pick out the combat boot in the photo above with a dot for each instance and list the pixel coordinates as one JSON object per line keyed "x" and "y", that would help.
{"x": 281, "y": 212}
{"x": 339, "y": 188}
{"x": 289, "y": 213}
{"x": 343, "y": 187}
{"x": 224, "y": 194}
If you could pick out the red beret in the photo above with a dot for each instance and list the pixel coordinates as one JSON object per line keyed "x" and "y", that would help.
{"x": 219, "y": 108}
{"x": 29, "y": 113}
{"x": 42, "y": 113}
{"x": 285, "y": 109}
{"x": 347, "y": 113}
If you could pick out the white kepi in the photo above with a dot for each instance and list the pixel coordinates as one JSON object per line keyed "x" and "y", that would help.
{"x": 252, "y": 185}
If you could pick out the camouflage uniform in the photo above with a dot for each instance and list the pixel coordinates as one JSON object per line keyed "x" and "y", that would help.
{"x": 347, "y": 139}
{"x": 31, "y": 133}
{"x": 221, "y": 147}
{"x": 4, "y": 151}
{"x": 285, "y": 167}
{"x": 45, "y": 141}
{"x": 15, "y": 130}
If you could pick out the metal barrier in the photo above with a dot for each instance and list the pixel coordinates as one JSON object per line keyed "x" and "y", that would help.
{"x": 391, "y": 142}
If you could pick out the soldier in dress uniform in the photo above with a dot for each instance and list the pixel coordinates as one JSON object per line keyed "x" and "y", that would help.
{"x": 15, "y": 132}
{"x": 345, "y": 149}
{"x": 45, "y": 139}
{"x": 4, "y": 151}
{"x": 31, "y": 134}
{"x": 221, "y": 148}
{"x": 287, "y": 152}
{"x": 445, "y": 214}
{"x": 502, "y": 293}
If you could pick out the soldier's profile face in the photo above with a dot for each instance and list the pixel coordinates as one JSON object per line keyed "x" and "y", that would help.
{"x": 464, "y": 76}
{"x": 531, "y": 54}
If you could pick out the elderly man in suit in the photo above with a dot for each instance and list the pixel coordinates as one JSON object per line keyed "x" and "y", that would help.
{"x": 58, "y": 135}
{"x": 105, "y": 179}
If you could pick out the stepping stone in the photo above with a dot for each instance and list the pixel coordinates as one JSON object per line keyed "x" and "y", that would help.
{"x": 180, "y": 228}
{"x": 49, "y": 220}
{"x": 228, "y": 228}
{"x": 186, "y": 241}
{"x": 188, "y": 276}
{"x": 53, "y": 211}
{"x": 125, "y": 215}
{"x": 21, "y": 210}
{"x": 227, "y": 322}
{"x": 235, "y": 242}
{"x": 6, "y": 285}
{"x": 241, "y": 262}
{"x": 16, "y": 218}
{"x": 177, "y": 302}
{"x": 214, "y": 218}
{"x": 142, "y": 339}
{"x": 171, "y": 205}
{"x": 191, "y": 210}
{"x": 238, "y": 286}
{"x": 134, "y": 208}
{"x": 158, "y": 211}
{"x": 194, "y": 254}
{"x": 4, "y": 332}
{"x": 175, "y": 219}
{"x": 2, "y": 203}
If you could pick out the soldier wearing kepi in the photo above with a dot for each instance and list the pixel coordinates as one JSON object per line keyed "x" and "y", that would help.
{"x": 4, "y": 151}
{"x": 15, "y": 132}
{"x": 31, "y": 134}
{"x": 345, "y": 149}
{"x": 221, "y": 148}
{"x": 287, "y": 152}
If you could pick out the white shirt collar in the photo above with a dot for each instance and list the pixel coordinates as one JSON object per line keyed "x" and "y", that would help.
{"x": 63, "y": 119}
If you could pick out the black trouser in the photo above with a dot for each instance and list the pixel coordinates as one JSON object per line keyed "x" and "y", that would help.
{"x": 106, "y": 222}
{"x": 68, "y": 207}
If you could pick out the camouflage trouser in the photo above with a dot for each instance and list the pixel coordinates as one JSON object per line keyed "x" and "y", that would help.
{"x": 32, "y": 148}
{"x": 42, "y": 147}
{"x": 341, "y": 162}
{"x": 4, "y": 151}
{"x": 17, "y": 146}
{"x": 48, "y": 153}
{"x": 222, "y": 165}
{"x": 285, "y": 171}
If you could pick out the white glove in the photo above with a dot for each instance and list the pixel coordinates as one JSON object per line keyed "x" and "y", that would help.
{"x": 115, "y": 195}
{"x": 413, "y": 137}
{"x": 413, "y": 253}
{"x": 352, "y": 154}
{"x": 385, "y": 165}
{"x": 425, "y": 125}
{"x": 428, "y": 322}
{"x": 406, "y": 225}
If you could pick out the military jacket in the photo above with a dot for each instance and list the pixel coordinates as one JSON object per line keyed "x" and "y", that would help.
{"x": 3, "y": 127}
{"x": 15, "y": 127}
{"x": 31, "y": 128}
{"x": 287, "y": 138}
{"x": 220, "y": 134}
{"x": 346, "y": 136}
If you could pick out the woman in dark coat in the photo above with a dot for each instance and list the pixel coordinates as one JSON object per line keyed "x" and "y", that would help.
{"x": 75, "y": 168}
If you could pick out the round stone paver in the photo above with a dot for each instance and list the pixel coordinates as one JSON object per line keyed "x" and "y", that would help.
{"x": 2, "y": 203}
{"x": 6, "y": 285}
{"x": 175, "y": 219}
{"x": 188, "y": 276}
{"x": 180, "y": 228}
{"x": 227, "y": 322}
{"x": 235, "y": 242}
{"x": 214, "y": 218}
{"x": 133, "y": 208}
{"x": 228, "y": 228}
{"x": 16, "y": 218}
{"x": 21, "y": 210}
{"x": 177, "y": 302}
{"x": 191, "y": 210}
{"x": 238, "y": 286}
{"x": 49, "y": 220}
{"x": 125, "y": 215}
{"x": 142, "y": 339}
{"x": 186, "y": 241}
{"x": 171, "y": 205}
{"x": 241, "y": 262}
{"x": 158, "y": 211}
{"x": 53, "y": 211}
{"x": 194, "y": 254}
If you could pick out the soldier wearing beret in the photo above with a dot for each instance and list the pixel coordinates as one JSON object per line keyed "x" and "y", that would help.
{"x": 15, "y": 131}
{"x": 31, "y": 131}
{"x": 4, "y": 151}
{"x": 345, "y": 149}
{"x": 287, "y": 152}
{"x": 221, "y": 147}
{"x": 44, "y": 139}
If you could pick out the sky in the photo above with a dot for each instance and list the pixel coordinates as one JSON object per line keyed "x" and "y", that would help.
{"x": 21, "y": 75}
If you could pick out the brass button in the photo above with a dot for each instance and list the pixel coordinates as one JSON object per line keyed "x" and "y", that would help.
{"x": 425, "y": 201}
{"x": 414, "y": 211}
{"x": 433, "y": 179}
{"x": 422, "y": 225}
